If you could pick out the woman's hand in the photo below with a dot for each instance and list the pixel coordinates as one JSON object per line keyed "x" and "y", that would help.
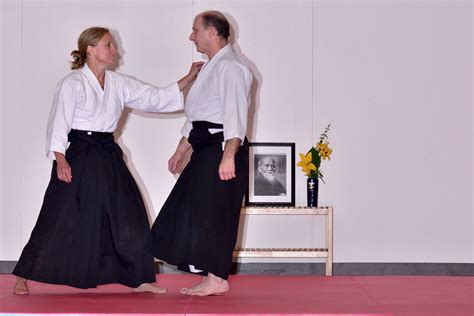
{"x": 195, "y": 68}
{"x": 191, "y": 76}
{"x": 63, "y": 168}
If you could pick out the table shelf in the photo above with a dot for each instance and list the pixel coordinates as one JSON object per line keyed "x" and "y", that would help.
{"x": 326, "y": 252}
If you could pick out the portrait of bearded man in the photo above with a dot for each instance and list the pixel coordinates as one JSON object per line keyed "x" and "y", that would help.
{"x": 266, "y": 182}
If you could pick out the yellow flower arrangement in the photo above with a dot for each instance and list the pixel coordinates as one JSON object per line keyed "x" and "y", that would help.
{"x": 311, "y": 162}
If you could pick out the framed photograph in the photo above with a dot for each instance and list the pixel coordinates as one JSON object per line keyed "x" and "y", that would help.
{"x": 271, "y": 174}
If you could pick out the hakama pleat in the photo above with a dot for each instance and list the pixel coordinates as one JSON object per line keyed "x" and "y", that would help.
{"x": 93, "y": 230}
{"x": 199, "y": 221}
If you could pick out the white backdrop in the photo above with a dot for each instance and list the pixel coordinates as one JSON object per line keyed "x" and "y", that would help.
{"x": 393, "y": 77}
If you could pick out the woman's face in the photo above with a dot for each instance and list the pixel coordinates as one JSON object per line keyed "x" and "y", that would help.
{"x": 105, "y": 51}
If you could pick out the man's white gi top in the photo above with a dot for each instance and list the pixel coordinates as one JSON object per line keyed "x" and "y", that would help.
{"x": 221, "y": 94}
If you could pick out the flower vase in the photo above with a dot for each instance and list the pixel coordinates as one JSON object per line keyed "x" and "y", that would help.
{"x": 312, "y": 192}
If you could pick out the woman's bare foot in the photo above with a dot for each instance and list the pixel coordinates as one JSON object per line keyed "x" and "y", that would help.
{"x": 21, "y": 287}
{"x": 213, "y": 286}
{"x": 185, "y": 290}
{"x": 147, "y": 287}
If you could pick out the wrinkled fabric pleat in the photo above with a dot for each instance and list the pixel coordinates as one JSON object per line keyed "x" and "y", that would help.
{"x": 199, "y": 221}
{"x": 93, "y": 230}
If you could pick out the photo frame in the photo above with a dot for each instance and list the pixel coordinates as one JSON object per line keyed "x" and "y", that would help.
{"x": 271, "y": 174}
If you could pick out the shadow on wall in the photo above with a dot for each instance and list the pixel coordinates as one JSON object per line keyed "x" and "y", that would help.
{"x": 254, "y": 104}
{"x": 127, "y": 157}
{"x": 120, "y": 51}
{"x": 127, "y": 154}
{"x": 122, "y": 126}
{"x": 257, "y": 78}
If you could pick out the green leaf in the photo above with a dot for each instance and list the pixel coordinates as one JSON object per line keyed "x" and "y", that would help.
{"x": 316, "y": 158}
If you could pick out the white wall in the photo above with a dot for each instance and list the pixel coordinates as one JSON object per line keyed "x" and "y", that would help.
{"x": 11, "y": 107}
{"x": 393, "y": 77}
{"x": 396, "y": 77}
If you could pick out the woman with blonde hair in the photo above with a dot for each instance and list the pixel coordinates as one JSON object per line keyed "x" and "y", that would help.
{"x": 93, "y": 224}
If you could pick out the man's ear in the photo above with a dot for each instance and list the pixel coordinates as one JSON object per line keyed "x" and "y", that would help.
{"x": 212, "y": 32}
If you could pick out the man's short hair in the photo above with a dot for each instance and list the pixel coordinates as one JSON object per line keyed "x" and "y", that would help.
{"x": 217, "y": 20}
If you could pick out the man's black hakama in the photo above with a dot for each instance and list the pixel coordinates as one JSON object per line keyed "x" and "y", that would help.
{"x": 93, "y": 230}
{"x": 199, "y": 221}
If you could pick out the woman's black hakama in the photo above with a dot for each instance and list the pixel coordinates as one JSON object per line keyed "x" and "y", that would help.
{"x": 93, "y": 230}
{"x": 199, "y": 221}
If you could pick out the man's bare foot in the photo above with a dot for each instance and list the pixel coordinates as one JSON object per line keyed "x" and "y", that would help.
{"x": 147, "y": 287}
{"x": 213, "y": 286}
{"x": 21, "y": 287}
{"x": 185, "y": 290}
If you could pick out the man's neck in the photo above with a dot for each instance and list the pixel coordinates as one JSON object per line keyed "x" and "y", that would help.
{"x": 216, "y": 48}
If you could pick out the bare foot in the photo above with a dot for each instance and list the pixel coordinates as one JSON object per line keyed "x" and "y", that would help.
{"x": 147, "y": 287}
{"x": 213, "y": 286}
{"x": 185, "y": 290}
{"x": 21, "y": 287}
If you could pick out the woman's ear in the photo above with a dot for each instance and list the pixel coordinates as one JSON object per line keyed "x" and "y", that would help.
{"x": 90, "y": 50}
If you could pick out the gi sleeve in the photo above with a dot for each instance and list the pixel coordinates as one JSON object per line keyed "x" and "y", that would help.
{"x": 188, "y": 126}
{"x": 145, "y": 97}
{"x": 234, "y": 91}
{"x": 62, "y": 115}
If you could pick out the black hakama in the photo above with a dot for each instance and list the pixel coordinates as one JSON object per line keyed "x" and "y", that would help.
{"x": 93, "y": 230}
{"x": 199, "y": 221}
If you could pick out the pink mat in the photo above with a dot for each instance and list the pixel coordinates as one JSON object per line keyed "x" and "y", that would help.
{"x": 253, "y": 294}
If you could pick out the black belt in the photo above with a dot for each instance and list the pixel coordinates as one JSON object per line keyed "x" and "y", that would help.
{"x": 91, "y": 136}
{"x": 200, "y": 137}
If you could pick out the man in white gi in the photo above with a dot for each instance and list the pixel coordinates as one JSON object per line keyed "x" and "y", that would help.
{"x": 197, "y": 226}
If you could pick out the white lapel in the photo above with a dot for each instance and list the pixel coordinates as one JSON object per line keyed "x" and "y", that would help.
{"x": 207, "y": 70}
{"x": 93, "y": 82}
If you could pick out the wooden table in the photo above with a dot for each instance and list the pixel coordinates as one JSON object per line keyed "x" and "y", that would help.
{"x": 292, "y": 252}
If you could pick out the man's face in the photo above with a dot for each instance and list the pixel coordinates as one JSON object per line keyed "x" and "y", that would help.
{"x": 199, "y": 36}
{"x": 267, "y": 168}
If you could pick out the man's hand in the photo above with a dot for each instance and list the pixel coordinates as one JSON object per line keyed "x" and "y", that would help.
{"x": 63, "y": 168}
{"x": 227, "y": 165}
{"x": 227, "y": 168}
{"x": 175, "y": 163}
